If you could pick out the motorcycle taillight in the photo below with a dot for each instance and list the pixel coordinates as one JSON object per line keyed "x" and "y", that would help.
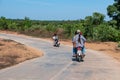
{"x": 79, "y": 48}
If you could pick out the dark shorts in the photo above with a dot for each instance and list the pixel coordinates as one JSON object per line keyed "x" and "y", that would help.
{"x": 75, "y": 50}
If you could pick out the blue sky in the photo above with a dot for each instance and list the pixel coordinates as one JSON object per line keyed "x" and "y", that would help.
{"x": 52, "y": 9}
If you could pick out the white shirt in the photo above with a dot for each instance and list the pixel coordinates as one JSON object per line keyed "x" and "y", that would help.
{"x": 73, "y": 39}
{"x": 55, "y": 37}
{"x": 82, "y": 39}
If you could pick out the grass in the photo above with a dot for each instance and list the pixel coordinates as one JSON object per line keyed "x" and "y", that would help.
{"x": 12, "y": 53}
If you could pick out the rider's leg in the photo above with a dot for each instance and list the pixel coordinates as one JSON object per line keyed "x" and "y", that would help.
{"x": 54, "y": 43}
{"x": 75, "y": 48}
{"x": 83, "y": 52}
{"x": 74, "y": 51}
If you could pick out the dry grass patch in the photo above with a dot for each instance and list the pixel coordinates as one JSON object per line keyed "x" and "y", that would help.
{"x": 109, "y": 48}
{"x": 12, "y": 53}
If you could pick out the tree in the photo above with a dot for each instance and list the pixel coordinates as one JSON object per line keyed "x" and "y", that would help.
{"x": 95, "y": 19}
{"x": 91, "y": 22}
{"x": 98, "y": 18}
{"x": 88, "y": 20}
{"x": 26, "y": 23}
{"x": 3, "y": 23}
{"x": 113, "y": 11}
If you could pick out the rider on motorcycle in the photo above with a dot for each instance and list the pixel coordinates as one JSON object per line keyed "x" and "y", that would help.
{"x": 56, "y": 41}
{"x": 80, "y": 42}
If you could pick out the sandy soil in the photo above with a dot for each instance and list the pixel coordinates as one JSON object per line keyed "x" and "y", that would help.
{"x": 109, "y": 48}
{"x": 12, "y": 53}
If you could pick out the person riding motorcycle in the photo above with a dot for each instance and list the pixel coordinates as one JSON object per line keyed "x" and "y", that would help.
{"x": 80, "y": 42}
{"x": 56, "y": 40}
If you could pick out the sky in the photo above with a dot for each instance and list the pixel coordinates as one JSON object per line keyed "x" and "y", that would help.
{"x": 53, "y": 9}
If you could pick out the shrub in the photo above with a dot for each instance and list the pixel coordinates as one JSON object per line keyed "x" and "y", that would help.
{"x": 105, "y": 33}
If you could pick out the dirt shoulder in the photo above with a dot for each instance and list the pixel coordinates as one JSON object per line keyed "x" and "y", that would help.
{"x": 12, "y": 53}
{"x": 108, "y": 48}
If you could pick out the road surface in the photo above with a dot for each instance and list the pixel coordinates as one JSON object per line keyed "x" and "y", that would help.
{"x": 57, "y": 64}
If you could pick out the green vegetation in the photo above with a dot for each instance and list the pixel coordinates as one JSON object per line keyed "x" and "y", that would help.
{"x": 114, "y": 12}
{"x": 119, "y": 44}
{"x": 94, "y": 27}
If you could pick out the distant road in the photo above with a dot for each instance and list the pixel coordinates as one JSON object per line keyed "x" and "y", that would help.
{"x": 57, "y": 64}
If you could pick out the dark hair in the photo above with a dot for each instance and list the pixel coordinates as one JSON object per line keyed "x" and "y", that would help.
{"x": 54, "y": 34}
{"x": 76, "y": 32}
{"x": 79, "y": 40}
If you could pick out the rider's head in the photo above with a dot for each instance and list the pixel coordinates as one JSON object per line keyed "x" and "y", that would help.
{"x": 54, "y": 34}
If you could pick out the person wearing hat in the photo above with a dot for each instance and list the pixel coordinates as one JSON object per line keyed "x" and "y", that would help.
{"x": 79, "y": 32}
{"x": 80, "y": 42}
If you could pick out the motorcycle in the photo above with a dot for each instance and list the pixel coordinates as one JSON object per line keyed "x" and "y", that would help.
{"x": 56, "y": 43}
{"x": 79, "y": 55}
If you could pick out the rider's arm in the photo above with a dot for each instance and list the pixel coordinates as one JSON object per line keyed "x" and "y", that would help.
{"x": 83, "y": 38}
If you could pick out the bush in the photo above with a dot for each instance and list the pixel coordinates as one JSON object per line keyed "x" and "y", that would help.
{"x": 106, "y": 33}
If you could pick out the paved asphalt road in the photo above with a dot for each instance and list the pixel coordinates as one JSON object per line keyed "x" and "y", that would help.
{"x": 57, "y": 64}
